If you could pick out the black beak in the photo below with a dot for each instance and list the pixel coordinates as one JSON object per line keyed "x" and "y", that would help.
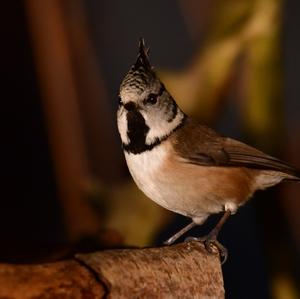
{"x": 130, "y": 106}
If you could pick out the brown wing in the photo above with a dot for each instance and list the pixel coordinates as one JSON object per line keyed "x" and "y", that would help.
{"x": 201, "y": 145}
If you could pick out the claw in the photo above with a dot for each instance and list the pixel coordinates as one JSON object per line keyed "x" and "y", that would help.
{"x": 191, "y": 239}
{"x": 210, "y": 242}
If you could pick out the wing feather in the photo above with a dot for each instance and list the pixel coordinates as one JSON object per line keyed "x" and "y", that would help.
{"x": 205, "y": 147}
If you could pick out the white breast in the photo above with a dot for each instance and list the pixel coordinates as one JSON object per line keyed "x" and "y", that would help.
{"x": 170, "y": 187}
{"x": 144, "y": 169}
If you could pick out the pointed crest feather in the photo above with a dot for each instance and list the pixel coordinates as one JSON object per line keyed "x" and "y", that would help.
{"x": 143, "y": 58}
{"x": 141, "y": 73}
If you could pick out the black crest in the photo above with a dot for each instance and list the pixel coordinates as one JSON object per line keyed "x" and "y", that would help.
{"x": 143, "y": 57}
{"x": 141, "y": 73}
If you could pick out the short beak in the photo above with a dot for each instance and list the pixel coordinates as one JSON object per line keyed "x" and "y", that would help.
{"x": 130, "y": 106}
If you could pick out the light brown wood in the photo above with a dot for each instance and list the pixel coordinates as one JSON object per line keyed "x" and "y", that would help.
{"x": 184, "y": 270}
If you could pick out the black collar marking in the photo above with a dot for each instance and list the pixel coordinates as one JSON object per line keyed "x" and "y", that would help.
{"x": 174, "y": 110}
{"x": 173, "y": 103}
{"x": 161, "y": 90}
{"x": 137, "y": 132}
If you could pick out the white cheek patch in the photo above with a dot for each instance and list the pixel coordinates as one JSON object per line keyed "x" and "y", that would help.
{"x": 160, "y": 128}
{"x": 122, "y": 125}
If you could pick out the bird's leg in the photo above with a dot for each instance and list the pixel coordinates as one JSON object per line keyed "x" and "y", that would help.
{"x": 210, "y": 239}
{"x": 180, "y": 233}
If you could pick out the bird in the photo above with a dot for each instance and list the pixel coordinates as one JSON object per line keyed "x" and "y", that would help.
{"x": 182, "y": 164}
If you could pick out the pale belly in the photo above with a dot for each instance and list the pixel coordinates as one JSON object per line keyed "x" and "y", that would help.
{"x": 171, "y": 187}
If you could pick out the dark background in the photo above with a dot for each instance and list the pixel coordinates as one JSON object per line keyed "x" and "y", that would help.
{"x": 261, "y": 238}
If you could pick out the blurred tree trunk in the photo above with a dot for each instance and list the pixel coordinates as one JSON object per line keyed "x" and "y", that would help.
{"x": 100, "y": 129}
{"x": 60, "y": 98}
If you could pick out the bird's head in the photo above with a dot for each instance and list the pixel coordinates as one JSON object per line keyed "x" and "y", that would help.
{"x": 147, "y": 112}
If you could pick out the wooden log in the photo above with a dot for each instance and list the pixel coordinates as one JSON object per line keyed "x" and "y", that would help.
{"x": 185, "y": 270}
{"x": 66, "y": 279}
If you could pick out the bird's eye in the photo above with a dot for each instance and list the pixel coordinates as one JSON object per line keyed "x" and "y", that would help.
{"x": 152, "y": 99}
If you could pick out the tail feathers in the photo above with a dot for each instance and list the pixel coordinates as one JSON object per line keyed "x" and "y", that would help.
{"x": 293, "y": 179}
{"x": 293, "y": 176}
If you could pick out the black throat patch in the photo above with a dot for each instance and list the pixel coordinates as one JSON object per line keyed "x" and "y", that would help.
{"x": 137, "y": 131}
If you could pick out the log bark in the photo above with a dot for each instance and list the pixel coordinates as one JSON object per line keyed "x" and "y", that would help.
{"x": 185, "y": 270}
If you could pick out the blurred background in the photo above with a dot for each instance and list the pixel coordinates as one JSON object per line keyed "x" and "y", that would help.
{"x": 65, "y": 187}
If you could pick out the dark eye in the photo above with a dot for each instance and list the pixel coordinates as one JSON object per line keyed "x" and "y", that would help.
{"x": 152, "y": 99}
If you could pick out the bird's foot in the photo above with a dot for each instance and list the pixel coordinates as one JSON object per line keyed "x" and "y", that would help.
{"x": 210, "y": 241}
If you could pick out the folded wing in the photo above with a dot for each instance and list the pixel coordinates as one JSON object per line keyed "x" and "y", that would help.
{"x": 205, "y": 147}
